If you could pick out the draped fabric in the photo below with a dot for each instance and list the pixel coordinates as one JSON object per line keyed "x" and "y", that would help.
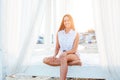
{"x": 0, "y": 57}
{"x": 107, "y": 21}
{"x": 0, "y": 50}
{"x": 20, "y": 22}
{"x": 30, "y": 39}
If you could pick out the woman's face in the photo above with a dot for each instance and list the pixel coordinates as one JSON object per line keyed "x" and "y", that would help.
{"x": 67, "y": 22}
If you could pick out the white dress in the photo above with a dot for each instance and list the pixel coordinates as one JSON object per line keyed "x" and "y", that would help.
{"x": 66, "y": 40}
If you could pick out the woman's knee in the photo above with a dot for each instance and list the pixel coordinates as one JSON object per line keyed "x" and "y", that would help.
{"x": 51, "y": 62}
{"x": 63, "y": 59}
{"x": 45, "y": 60}
{"x": 72, "y": 57}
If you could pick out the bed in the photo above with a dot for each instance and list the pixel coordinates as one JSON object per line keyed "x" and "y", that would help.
{"x": 90, "y": 69}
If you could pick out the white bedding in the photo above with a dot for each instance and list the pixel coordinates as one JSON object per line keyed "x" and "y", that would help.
{"x": 90, "y": 69}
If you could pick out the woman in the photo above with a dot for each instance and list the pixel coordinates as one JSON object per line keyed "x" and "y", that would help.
{"x": 67, "y": 41}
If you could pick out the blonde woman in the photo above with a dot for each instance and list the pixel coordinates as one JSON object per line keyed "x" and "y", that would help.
{"x": 67, "y": 40}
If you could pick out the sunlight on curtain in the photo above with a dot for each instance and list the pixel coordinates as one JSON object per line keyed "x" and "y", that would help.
{"x": 20, "y": 31}
{"x": 58, "y": 10}
{"x": 80, "y": 10}
{"x": 36, "y": 8}
{"x": 51, "y": 20}
{"x": 0, "y": 46}
{"x": 9, "y": 34}
{"x": 82, "y": 13}
{"x": 0, "y": 55}
{"x": 107, "y": 17}
{"x": 0, "y": 62}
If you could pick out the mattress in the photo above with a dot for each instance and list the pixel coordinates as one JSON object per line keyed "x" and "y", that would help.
{"x": 90, "y": 69}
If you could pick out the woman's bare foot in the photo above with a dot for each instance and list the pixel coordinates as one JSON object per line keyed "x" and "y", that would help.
{"x": 76, "y": 62}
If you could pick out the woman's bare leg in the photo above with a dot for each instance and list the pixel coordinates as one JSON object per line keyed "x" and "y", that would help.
{"x": 73, "y": 59}
{"x": 51, "y": 61}
{"x": 63, "y": 67}
{"x": 76, "y": 62}
{"x": 63, "y": 62}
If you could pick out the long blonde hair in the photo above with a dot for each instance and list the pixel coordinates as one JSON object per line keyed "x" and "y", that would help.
{"x": 62, "y": 27}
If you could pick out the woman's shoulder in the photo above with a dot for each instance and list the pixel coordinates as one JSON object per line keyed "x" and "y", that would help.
{"x": 61, "y": 31}
{"x": 76, "y": 32}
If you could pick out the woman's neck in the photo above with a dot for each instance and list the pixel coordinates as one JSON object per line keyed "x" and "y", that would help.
{"x": 67, "y": 30}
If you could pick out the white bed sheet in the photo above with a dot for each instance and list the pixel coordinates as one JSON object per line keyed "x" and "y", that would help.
{"x": 90, "y": 69}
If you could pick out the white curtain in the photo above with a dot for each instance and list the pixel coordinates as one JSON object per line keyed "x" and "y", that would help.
{"x": 20, "y": 22}
{"x": 107, "y": 21}
{"x": 0, "y": 66}
{"x": 0, "y": 47}
{"x": 0, "y": 57}
{"x": 34, "y": 21}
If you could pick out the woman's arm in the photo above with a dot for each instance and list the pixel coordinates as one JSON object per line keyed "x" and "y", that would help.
{"x": 75, "y": 45}
{"x": 57, "y": 46}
